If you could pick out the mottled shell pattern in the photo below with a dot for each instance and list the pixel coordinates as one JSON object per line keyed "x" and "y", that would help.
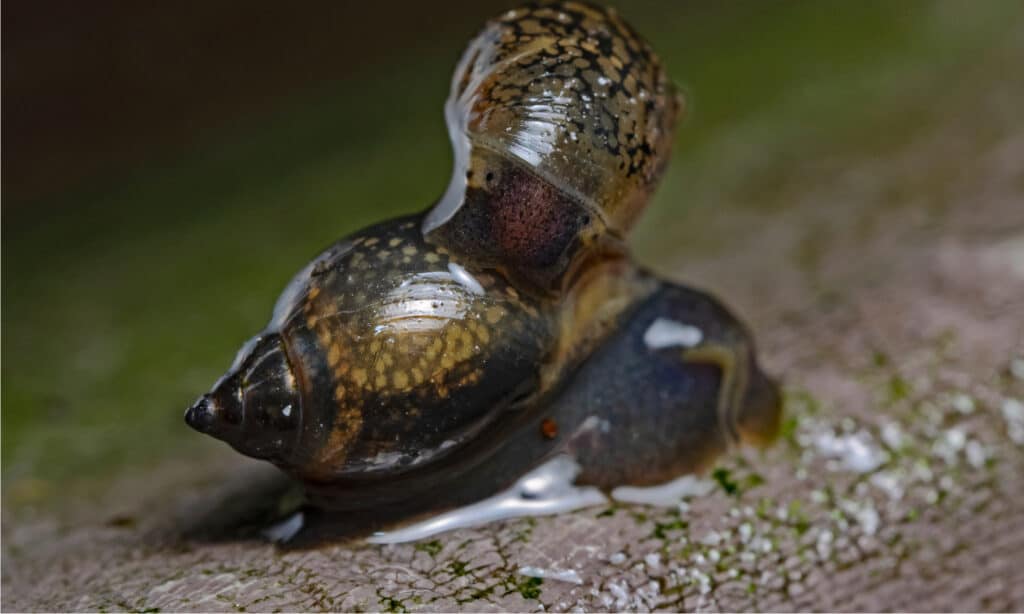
{"x": 567, "y": 93}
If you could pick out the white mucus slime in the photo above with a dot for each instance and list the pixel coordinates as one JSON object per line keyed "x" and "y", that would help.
{"x": 546, "y": 490}
{"x": 286, "y": 529}
{"x": 664, "y": 495}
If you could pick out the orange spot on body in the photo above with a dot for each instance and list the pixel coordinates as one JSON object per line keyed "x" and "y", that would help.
{"x": 548, "y": 428}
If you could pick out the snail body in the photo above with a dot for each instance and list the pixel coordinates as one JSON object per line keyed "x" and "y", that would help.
{"x": 455, "y": 350}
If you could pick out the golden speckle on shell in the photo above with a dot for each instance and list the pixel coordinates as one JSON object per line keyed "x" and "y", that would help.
{"x": 494, "y": 314}
{"x": 359, "y": 376}
{"x": 400, "y": 379}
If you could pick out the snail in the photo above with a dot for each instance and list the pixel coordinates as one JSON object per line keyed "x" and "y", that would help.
{"x": 433, "y": 360}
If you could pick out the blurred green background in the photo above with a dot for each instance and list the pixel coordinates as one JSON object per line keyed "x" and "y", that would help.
{"x": 168, "y": 166}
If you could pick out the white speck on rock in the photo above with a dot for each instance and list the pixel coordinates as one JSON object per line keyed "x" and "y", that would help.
{"x": 963, "y": 403}
{"x": 868, "y": 519}
{"x": 948, "y": 446}
{"x": 712, "y": 539}
{"x": 703, "y": 581}
{"x": 1017, "y": 368}
{"x": 889, "y": 483}
{"x": 1007, "y": 255}
{"x": 1013, "y": 413}
{"x": 976, "y": 453}
{"x": 824, "y": 545}
{"x": 1013, "y": 410}
{"x": 856, "y": 452}
{"x": 761, "y": 544}
{"x": 956, "y": 439}
{"x": 892, "y": 435}
{"x": 620, "y": 594}
{"x": 166, "y": 586}
{"x": 864, "y": 513}
{"x": 562, "y": 575}
{"x": 922, "y": 472}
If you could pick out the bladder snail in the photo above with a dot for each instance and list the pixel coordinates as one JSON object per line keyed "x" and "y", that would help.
{"x": 432, "y": 360}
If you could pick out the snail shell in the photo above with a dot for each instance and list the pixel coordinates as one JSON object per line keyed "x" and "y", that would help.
{"x": 561, "y": 119}
{"x": 382, "y": 354}
{"x": 453, "y": 350}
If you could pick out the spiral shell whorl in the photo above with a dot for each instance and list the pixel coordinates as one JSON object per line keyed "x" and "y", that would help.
{"x": 574, "y": 94}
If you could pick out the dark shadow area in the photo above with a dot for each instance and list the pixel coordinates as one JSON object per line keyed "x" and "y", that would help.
{"x": 241, "y": 510}
{"x": 249, "y": 507}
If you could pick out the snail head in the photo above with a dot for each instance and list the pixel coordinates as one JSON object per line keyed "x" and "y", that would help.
{"x": 561, "y": 120}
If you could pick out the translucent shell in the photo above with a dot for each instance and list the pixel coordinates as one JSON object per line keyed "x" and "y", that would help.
{"x": 417, "y": 349}
{"x": 571, "y": 93}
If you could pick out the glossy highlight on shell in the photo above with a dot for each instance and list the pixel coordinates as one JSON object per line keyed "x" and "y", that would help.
{"x": 503, "y": 338}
